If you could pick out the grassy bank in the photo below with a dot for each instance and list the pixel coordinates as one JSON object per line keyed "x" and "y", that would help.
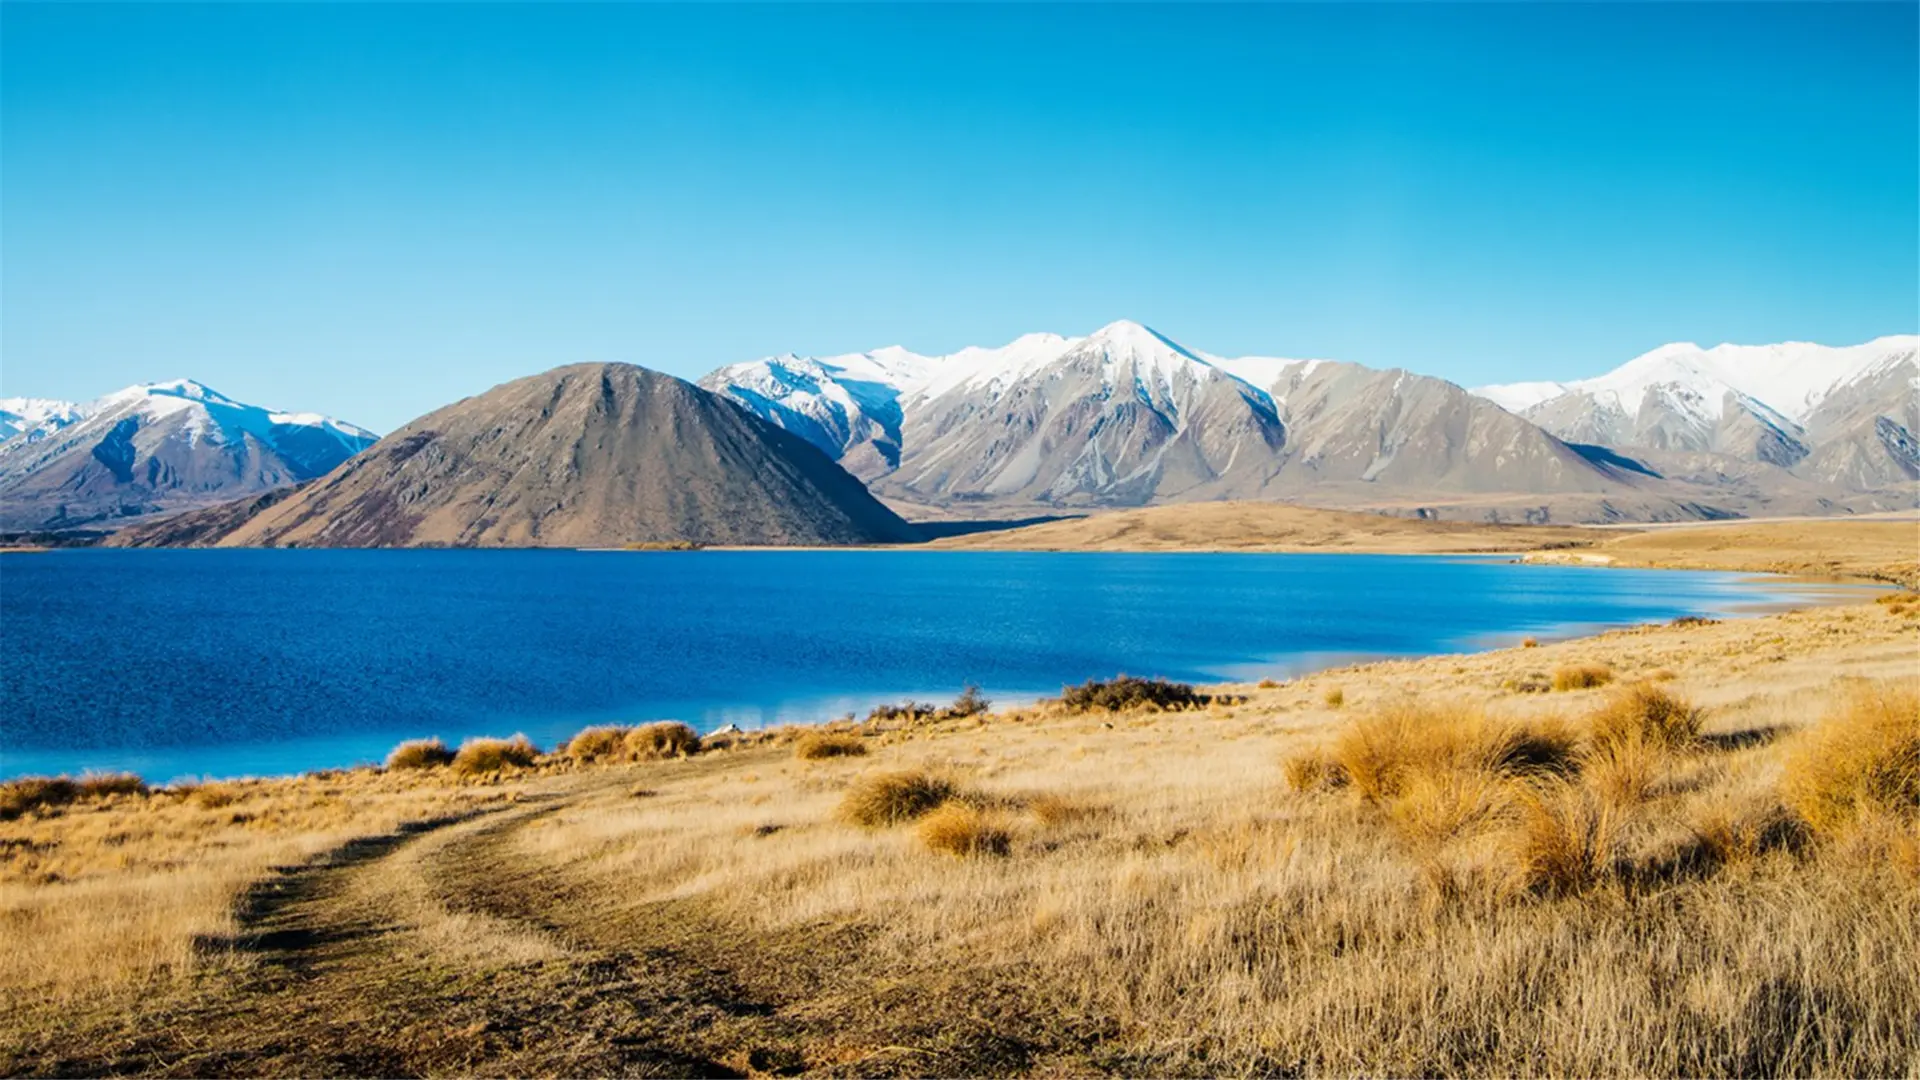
{"x": 1550, "y": 859}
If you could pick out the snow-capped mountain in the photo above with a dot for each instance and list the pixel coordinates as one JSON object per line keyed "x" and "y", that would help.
{"x": 35, "y": 417}
{"x": 1127, "y": 415}
{"x": 1753, "y": 402}
{"x": 160, "y": 447}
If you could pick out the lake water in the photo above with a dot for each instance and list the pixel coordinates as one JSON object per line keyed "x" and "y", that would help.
{"x": 223, "y": 663}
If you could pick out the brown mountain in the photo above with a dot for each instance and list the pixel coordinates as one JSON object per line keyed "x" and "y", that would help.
{"x": 581, "y": 456}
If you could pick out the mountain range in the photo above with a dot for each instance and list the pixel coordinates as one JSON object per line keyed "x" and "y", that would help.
{"x": 1125, "y": 416}
{"x": 154, "y": 449}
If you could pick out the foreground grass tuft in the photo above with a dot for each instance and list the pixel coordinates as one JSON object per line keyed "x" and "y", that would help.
{"x": 420, "y": 754}
{"x": 1647, "y": 713}
{"x": 1863, "y": 760}
{"x": 958, "y": 829}
{"x": 1566, "y": 843}
{"x": 883, "y": 799}
{"x": 665, "y": 739}
{"x": 483, "y": 756}
{"x": 19, "y": 797}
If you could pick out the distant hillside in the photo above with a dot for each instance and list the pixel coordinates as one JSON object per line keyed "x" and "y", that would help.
{"x": 581, "y": 456}
{"x": 1265, "y": 526}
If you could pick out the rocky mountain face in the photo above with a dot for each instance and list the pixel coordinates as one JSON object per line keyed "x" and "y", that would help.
{"x": 36, "y": 417}
{"x": 1843, "y": 418}
{"x": 581, "y": 456}
{"x": 155, "y": 449}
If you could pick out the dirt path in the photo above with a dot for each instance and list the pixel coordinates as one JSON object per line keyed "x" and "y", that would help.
{"x": 443, "y": 948}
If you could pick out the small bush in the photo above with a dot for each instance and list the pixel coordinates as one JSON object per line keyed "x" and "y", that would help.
{"x": 816, "y": 745}
{"x": 420, "y": 754}
{"x": 1269, "y": 684}
{"x": 665, "y": 739}
{"x": 1566, "y": 842}
{"x": 96, "y": 785}
{"x": 958, "y": 829}
{"x": 971, "y": 702}
{"x": 1646, "y": 713}
{"x": 1863, "y": 759}
{"x": 1128, "y": 692}
{"x": 1335, "y": 697}
{"x": 483, "y": 755}
{"x": 882, "y": 799}
{"x": 1530, "y": 643}
{"x": 906, "y": 712}
{"x": 1693, "y": 620}
{"x": 1581, "y": 676}
{"x": 18, "y": 797}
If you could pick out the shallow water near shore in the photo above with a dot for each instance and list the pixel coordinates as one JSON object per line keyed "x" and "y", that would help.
{"x": 227, "y": 663}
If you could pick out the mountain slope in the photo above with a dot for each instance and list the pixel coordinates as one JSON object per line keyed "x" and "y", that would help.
{"x": 36, "y": 417}
{"x": 160, "y": 448}
{"x": 586, "y": 455}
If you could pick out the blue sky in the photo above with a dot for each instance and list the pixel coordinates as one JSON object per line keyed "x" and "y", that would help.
{"x": 371, "y": 210}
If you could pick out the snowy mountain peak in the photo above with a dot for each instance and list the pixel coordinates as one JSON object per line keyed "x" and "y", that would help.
{"x": 36, "y": 418}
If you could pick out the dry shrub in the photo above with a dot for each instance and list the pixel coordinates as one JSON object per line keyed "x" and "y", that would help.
{"x": 1685, "y": 621}
{"x": 665, "y": 739}
{"x": 420, "y": 754}
{"x": 1383, "y": 750}
{"x": 1334, "y": 697}
{"x": 816, "y": 745}
{"x": 1646, "y": 713}
{"x": 1530, "y": 643}
{"x": 1313, "y": 771}
{"x": 211, "y": 796}
{"x": 483, "y": 755}
{"x": 1899, "y": 598}
{"x": 1581, "y": 676}
{"x": 1565, "y": 843}
{"x": 18, "y": 797}
{"x": 971, "y": 702}
{"x": 1863, "y": 759}
{"x": 605, "y": 742}
{"x": 958, "y": 829}
{"x": 99, "y": 785}
{"x": 882, "y": 799}
{"x": 906, "y": 712}
{"x": 1269, "y": 684}
{"x": 1130, "y": 692}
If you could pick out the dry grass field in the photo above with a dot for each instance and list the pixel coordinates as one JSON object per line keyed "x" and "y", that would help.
{"x": 1884, "y": 550}
{"x": 1668, "y": 850}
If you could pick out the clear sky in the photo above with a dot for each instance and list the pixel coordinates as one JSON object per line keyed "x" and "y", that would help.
{"x": 373, "y": 209}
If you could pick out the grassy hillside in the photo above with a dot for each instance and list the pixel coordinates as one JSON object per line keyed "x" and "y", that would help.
{"x": 1684, "y": 849}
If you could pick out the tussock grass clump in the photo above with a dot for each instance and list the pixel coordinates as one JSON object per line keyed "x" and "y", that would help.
{"x": 31, "y": 793}
{"x": 882, "y": 799}
{"x": 1685, "y": 621}
{"x": 605, "y": 742}
{"x": 1334, "y": 697}
{"x": 1052, "y": 811}
{"x": 958, "y": 829}
{"x": 1566, "y": 843}
{"x": 1646, "y": 713}
{"x": 1581, "y": 676}
{"x": 99, "y": 785}
{"x": 1623, "y": 771}
{"x": 1381, "y": 751}
{"x": 1130, "y": 692}
{"x": 1313, "y": 771}
{"x": 212, "y": 796}
{"x": 1861, "y": 760}
{"x": 483, "y": 755}
{"x": 420, "y": 754}
{"x": 665, "y": 739}
{"x": 816, "y": 745}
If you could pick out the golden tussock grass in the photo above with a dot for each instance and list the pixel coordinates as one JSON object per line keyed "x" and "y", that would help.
{"x": 816, "y": 745}
{"x": 878, "y": 800}
{"x": 1862, "y": 760}
{"x": 1581, "y": 676}
{"x": 1643, "y": 712}
{"x": 420, "y": 754}
{"x": 1566, "y": 842}
{"x": 480, "y": 756}
{"x": 661, "y": 740}
{"x": 955, "y": 828}
{"x": 1334, "y": 698}
{"x": 1393, "y": 744}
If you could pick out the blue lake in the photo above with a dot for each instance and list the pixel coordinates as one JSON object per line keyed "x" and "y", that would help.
{"x": 222, "y": 663}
